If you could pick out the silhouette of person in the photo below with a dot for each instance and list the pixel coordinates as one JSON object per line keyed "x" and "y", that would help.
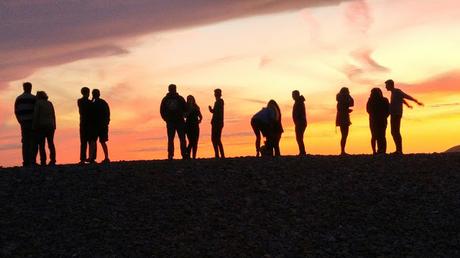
{"x": 378, "y": 108}
{"x": 396, "y": 112}
{"x": 24, "y": 111}
{"x": 277, "y": 127}
{"x": 300, "y": 120}
{"x": 172, "y": 111}
{"x": 84, "y": 108}
{"x": 344, "y": 103}
{"x": 267, "y": 123}
{"x": 44, "y": 125}
{"x": 192, "y": 129}
{"x": 217, "y": 123}
{"x": 100, "y": 119}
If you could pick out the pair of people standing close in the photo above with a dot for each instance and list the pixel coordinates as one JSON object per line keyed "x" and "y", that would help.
{"x": 379, "y": 108}
{"x": 267, "y": 123}
{"x": 174, "y": 109}
{"x": 94, "y": 125}
{"x": 37, "y": 119}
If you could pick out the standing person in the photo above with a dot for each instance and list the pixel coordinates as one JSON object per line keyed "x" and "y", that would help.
{"x": 44, "y": 125}
{"x": 396, "y": 112}
{"x": 378, "y": 108}
{"x": 100, "y": 126}
{"x": 300, "y": 120}
{"x": 217, "y": 123}
{"x": 172, "y": 111}
{"x": 24, "y": 111}
{"x": 344, "y": 103}
{"x": 84, "y": 108}
{"x": 277, "y": 127}
{"x": 192, "y": 129}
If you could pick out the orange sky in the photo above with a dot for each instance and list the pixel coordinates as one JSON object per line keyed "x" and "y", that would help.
{"x": 253, "y": 53}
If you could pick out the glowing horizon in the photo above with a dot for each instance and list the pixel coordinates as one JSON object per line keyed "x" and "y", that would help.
{"x": 253, "y": 56}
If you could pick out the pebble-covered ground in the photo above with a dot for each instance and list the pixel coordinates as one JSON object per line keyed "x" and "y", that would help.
{"x": 316, "y": 206}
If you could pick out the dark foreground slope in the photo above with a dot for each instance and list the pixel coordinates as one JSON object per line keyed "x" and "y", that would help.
{"x": 288, "y": 207}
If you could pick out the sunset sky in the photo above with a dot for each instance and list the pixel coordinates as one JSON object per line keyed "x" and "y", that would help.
{"x": 253, "y": 50}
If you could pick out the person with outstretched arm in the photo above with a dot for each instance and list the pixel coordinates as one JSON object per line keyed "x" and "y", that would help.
{"x": 396, "y": 111}
{"x": 217, "y": 124}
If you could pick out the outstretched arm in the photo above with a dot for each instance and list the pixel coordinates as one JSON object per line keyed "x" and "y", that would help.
{"x": 405, "y": 96}
{"x": 407, "y": 104}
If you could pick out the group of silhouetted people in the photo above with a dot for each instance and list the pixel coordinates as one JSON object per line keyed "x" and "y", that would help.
{"x": 183, "y": 117}
{"x": 379, "y": 108}
{"x": 37, "y": 119}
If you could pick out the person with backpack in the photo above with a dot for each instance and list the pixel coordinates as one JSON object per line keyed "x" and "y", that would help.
{"x": 44, "y": 125}
{"x": 172, "y": 110}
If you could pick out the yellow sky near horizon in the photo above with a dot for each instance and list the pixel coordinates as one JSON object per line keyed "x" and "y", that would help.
{"x": 317, "y": 51}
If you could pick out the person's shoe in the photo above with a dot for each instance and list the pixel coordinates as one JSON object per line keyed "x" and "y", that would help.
{"x": 52, "y": 163}
{"x": 397, "y": 153}
{"x": 92, "y": 161}
{"x": 105, "y": 161}
{"x": 344, "y": 154}
{"x": 82, "y": 162}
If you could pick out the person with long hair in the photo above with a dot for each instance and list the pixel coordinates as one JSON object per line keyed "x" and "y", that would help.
{"x": 277, "y": 127}
{"x": 193, "y": 118}
{"x": 378, "y": 108}
{"x": 344, "y": 104}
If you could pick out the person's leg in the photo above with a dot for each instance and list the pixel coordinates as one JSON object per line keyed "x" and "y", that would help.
{"x": 396, "y": 132}
{"x": 195, "y": 145}
{"x": 51, "y": 146}
{"x": 299, "y": 133}
{"x": 383, "y": 139}
{"x": 276, "y": 144}
{"x": 256, "y": 130}
{"x": 103, "y": 139}
{"x": 214, "y": 133}
{"x": 41, "y": 136}
{"x": 105, "y": 149}
{"x": 189, "y": 137}
{"x": 26, "y": 144}
{"x": 343, "y": 141}
{"x": 374, "y": 138}
{"x": 83, "y": 144}
{"x": 219, "y": 142}
{"x": 171, "y": 128}
{"x": 183, "y": 143}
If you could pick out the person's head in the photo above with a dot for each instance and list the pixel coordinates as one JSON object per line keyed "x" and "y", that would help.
{"x": 217, "y": 93}
{"x": 85, "y": 92}
{"x": 344, "y": 91}
{"x": 172, "y": 88}
{"x": 96, "y": 93}
{"x": 295, "y": 95}
{"x": 390, "y": 85}
{"x": 27, "y": 87}
{"x": 42, "y": 95}
{"x": 376, "y": 93}
{"x": 190, "y": 100}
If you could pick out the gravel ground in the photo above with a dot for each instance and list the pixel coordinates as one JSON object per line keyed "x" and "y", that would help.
{"x": 315, "y": 206}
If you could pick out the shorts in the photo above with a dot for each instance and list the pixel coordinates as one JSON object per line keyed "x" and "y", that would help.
{"x": 101, "y": 133}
